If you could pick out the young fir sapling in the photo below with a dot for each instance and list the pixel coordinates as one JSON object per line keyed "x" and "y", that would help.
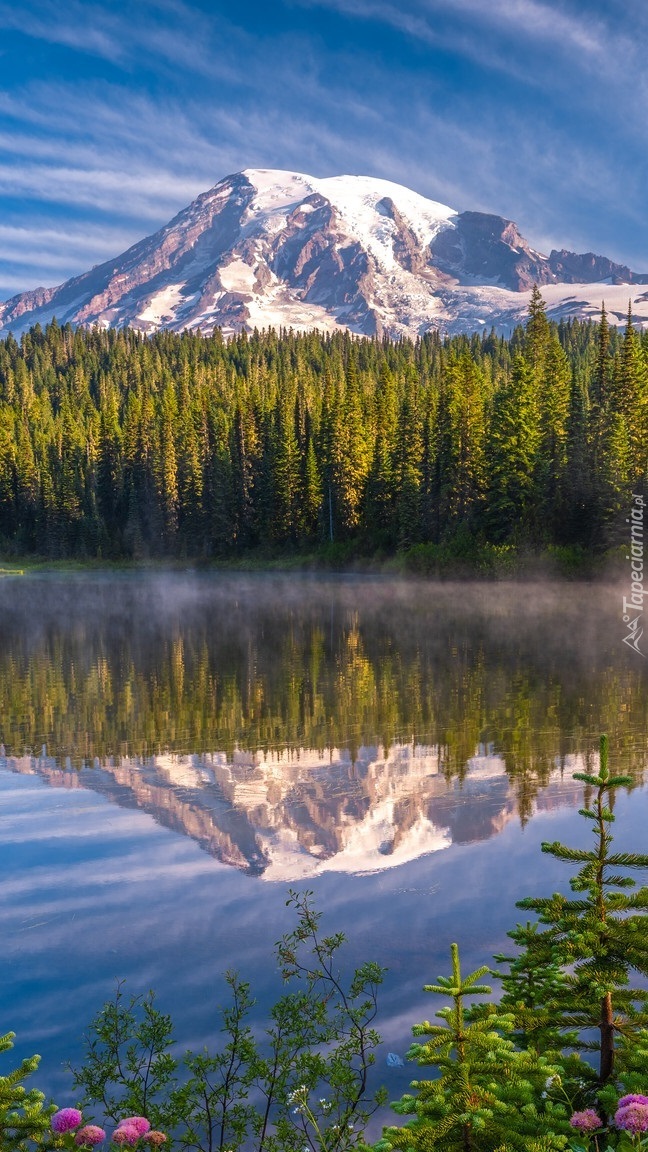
{"x": 599, "y": 937}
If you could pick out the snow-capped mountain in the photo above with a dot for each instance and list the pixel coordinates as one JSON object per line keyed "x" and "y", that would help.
{"x": 267, "y": 248}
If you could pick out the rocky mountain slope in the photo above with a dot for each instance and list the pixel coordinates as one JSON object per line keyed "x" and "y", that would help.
{"x": 268, "y": 248}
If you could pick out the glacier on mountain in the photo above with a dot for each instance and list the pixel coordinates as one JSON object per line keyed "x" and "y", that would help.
{"x": 267, "y": 248}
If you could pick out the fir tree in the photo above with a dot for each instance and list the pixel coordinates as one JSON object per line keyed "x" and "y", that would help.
{"x": 576, "y": 521}
{"x": 285, "y": 471}
{"x": 24, "y": 1119}
{"x": 485, "y": 1097}
{"x": 110, "y": 467}
{"x": 553, "y": 409}
{"x": 407, "y": 470}
{"x": 512, "y": 454}
{"x": 533, "y": 987}
{"x": 601, "y": 381}
{"x": 310, "y": 513}
{"x": 631, "y": 398}
{"x": 167, "y": 465}
{"x": 600, "y": 936}
{"x": 463, "y": 438}
{"x": 351, "y": 456}
{"x": 537, "y": 333}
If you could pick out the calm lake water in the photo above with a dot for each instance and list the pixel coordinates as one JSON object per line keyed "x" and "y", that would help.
{"x": 178, "y": 751}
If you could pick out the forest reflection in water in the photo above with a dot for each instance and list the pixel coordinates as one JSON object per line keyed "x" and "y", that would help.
{"x": 297, "y": 725}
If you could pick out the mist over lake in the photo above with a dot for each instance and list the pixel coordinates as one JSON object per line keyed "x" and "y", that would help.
{"x": 179, "y": 750}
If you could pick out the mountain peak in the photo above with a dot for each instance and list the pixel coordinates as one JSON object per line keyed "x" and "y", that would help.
{"x": 269, "y": 248}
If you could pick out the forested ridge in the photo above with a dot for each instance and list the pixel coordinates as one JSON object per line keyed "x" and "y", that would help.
{"x": 116, "y": 445}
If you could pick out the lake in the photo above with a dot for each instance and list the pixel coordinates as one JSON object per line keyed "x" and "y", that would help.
{"x": 177, "y": 751}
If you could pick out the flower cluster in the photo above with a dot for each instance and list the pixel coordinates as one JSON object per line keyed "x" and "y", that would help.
{"x": 130, "y": 1130}
{"x": 587, "y": 1121}
{"x": 632, "y": 1114}
{"x": 69, "y": 1122}
{"x": 66, "y": 1120}
{"x": 90, "y": 1135}
{"x": 298, "y": 1097}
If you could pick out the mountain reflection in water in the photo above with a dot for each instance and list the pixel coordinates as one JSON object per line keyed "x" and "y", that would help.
{"x": 293, "y": 726}
{"x": 289, "y": 815}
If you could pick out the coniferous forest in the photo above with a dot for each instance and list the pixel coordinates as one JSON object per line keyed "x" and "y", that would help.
{"x": 117, "y": 446}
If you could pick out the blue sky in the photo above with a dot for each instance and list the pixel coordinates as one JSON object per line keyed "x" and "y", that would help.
{"x": 114, "y": 115}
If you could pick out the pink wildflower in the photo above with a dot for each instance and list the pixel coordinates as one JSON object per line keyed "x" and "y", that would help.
{"x": 587, "y": 1121}
{"x": 632, "y": 1117}
{"x": 90, "y": 1134}
{"x": 139, "y": 1122}
{"x": 126, "y": 1134}
{"x": 633, "y": 1098}
{"x": 66, "y": 1120}
{"x": 154, "y": 1137}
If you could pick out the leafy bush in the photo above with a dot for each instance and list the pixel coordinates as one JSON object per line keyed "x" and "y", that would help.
{"x": 305, "y": 1085}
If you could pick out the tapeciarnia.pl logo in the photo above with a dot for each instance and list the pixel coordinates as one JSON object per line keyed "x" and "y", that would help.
{"x": 633, "y": 605}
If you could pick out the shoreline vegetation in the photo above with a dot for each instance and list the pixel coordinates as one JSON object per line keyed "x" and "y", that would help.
{"x": 423, "y": 561}
{"x": 559, "y": 1061}
{"x": 482, "y": 455}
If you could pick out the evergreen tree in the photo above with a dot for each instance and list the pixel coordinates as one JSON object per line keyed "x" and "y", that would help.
{"x": 601, "y": 935}
{"x": 631, "y": 399}
{"x": 537, "y": 335}
{"x": 576, "y": 498}
{"x": 310, "y": 512}
{"x": 407, "y": 470}
{"x": 609, "y": 440}
{"x": 464, "y": 453}
{"x": 380, "y": 493}
{"x": 245, "y": 454}
{"x": 533, "y": 987}
{"x": 285, "y": 472}
{"x": 351, "y": 459}
{"x": 110, "y": 469}
{"x": 218, "y": 482}
{"x": 512, "y": 454}
{"x": 552, "y": 459}
{"x": 602, "y": 377}
{"x": 166, "y": 466}
{"x": 28, "y": 487}
{"x": 24, "y": 1118}
{"x": 485, "y": 1096}
{"x": 8, "y": 522}
{"x": 190, "y": 454}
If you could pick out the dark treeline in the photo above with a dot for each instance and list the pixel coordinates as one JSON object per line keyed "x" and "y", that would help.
{"x": 116, "y": 445}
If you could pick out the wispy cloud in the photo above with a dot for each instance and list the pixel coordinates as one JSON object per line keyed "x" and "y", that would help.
{"x": 43, "y": 248}
{"x": 68, "y": 29}
{"x": 532, "y": 20}
{"x": 146, "y": 192}
{"x": 119, "y": 36}
{"x": 506, "y": 36}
